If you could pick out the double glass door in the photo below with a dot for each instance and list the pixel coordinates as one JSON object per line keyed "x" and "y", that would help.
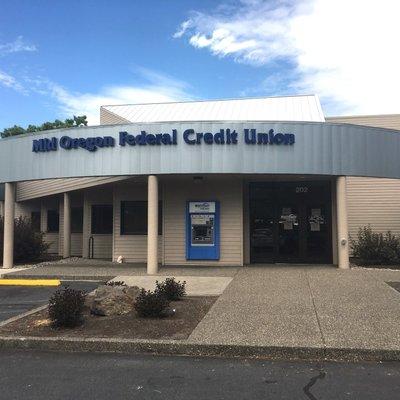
{"x": 290, "y": 222}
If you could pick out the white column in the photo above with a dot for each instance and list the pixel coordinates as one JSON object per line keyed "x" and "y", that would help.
{"x": 9, "y": 211}
{"x": 152, "y": 225}
{"x": 67, "y": 226}
{"x": 342, "y": 224}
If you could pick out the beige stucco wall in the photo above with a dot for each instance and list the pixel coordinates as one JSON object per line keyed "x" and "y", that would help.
{"x": 228, "y": 191}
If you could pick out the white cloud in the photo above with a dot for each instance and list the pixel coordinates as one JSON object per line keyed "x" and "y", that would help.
{"x": 159, "y": 88}
{"x": 11, "y": 82}
{"x": 345, "y": 50}
{"x": 16, "y": 46}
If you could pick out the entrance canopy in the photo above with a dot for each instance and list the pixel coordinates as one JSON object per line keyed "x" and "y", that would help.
{"x": 247, "y": 147}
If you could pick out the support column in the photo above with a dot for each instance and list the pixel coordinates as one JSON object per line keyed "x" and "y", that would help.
{"x": 152, "y": 225}
{"x": 342, "y": 224}
{"x": 67, "y": 226}
{"x": 9, "y": 211}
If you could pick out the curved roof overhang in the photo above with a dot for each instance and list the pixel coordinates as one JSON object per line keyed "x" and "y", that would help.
{"x": 306, "y": 148}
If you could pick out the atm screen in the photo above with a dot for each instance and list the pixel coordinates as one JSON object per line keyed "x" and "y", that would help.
{"x": 202, "y": 229}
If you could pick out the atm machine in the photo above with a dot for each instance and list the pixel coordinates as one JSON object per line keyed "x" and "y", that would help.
{"x": 202, "y": 230}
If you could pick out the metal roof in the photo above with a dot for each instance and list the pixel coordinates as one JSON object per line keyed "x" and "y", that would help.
{"x": 284, "y": 108}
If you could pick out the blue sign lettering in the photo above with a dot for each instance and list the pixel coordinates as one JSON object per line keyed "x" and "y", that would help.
{"x": 148, "y": 139}
{"x": 43, "y": 145}
{"x": 90, "y": 144}
{"x": 222, "y": 137}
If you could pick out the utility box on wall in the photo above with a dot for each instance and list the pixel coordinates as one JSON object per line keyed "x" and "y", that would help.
{"x": 202, "y": 230}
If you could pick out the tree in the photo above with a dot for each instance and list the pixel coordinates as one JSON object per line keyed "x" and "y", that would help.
{"x": 15, "y": 130}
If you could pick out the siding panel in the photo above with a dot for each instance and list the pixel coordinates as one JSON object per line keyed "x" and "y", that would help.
{"x": 33, "y": 189}
{"x": 76, "y": 238}
{"x": 389, "y": 121}
{"x": 375, "y": 202}
{"x": 109, "y": 118}
{"x": 52, "y": 238}
{"x": 228, "y": 191}
{"x": 132, "y": 247}
{"x": 103, "y": 244}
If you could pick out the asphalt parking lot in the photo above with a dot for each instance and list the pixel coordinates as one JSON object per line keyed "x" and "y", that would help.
{"x": 37, "y": 375}
{"x": 15, "y": 300}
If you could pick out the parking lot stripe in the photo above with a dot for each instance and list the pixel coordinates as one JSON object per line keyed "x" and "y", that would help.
{"x": 30, "y": 282}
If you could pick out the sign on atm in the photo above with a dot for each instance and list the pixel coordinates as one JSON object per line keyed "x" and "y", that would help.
{"x": 202, "y": 207}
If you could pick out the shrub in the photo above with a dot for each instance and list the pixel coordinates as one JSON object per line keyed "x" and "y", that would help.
{"x": 66, "y": 307}
{"x": 376, "y": 248}
{"x": 151, "y": 304}
{"x": 29, "y": 245}
{"x": 171, "y": 289}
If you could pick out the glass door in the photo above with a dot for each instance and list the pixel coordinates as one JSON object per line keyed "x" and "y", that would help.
{"x": 318, "y": 233}
{"x": 290, "y": 222}
{"x": 288, "y": 233}
{"x": 262, "y": 231}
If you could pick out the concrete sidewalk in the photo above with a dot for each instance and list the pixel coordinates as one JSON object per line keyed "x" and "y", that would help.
{"x": 271, "y": 311}
{"x": 310, "y": 307}
{"x": 107, "y": 270}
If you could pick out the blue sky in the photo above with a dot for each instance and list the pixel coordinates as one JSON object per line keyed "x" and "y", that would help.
{"x": 59, "y": 58}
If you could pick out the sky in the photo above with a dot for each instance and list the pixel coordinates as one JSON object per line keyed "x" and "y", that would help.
{"x": 64, "y": 58}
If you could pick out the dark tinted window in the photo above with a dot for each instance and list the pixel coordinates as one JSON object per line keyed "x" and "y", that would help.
{"x": 134, "y": 218}
{"x": 102, "y": 219}
{"x": 52, "y": 221}
{"x": 76, "y": 219}
{"x": 35, "y": 220}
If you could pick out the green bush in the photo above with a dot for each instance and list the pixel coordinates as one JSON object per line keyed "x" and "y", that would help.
{"x": 66, "y": 308}
{"x": 28, "y": 245}
{"x": 376, "y": 248}
{"x": 171, "y": 289}
{"x": 150, "y": 304}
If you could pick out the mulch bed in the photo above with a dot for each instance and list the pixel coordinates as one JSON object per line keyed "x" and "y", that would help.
{"x": 374, "y": 266}
{"x": 189, "y": 312}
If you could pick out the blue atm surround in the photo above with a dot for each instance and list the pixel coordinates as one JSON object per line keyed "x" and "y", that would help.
{"x": 202, "y": 230}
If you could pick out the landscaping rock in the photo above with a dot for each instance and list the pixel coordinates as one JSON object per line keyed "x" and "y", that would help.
{"x": 112, "y": 300}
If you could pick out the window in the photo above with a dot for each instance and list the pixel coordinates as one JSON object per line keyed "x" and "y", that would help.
{"x": 76, "y": 219}
{"x": 102, "y": 219}
{"x": 35, "y": 221}
{"x": 52, "y": 221}
{"x": 134, "y": 218}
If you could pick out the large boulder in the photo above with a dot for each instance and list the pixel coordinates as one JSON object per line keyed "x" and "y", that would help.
{"x": 112, "y": 300}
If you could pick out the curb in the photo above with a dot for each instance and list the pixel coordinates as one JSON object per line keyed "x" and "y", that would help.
{"x": 23, "y": 315}
{"x": 185, "y": 348}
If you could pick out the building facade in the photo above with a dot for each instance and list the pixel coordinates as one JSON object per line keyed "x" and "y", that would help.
{"x": 226, "y": 183}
